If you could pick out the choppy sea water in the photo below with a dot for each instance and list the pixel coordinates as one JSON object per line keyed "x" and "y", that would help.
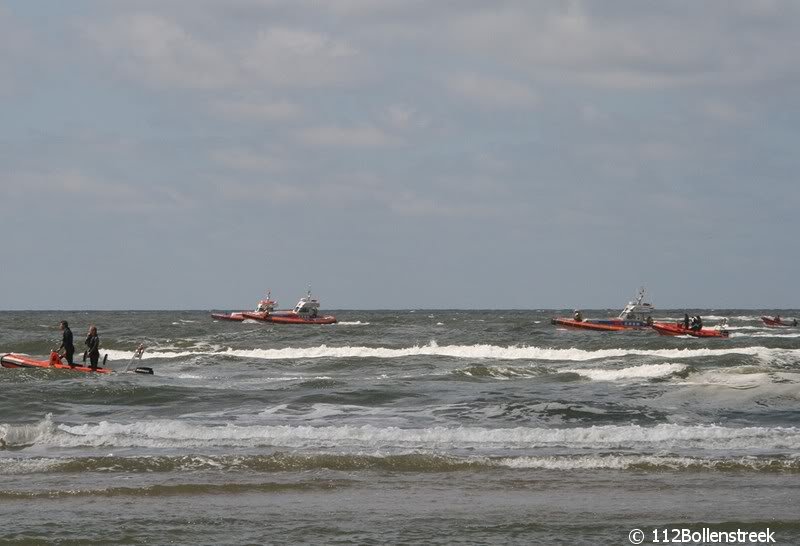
{"x": 402, "y": 427}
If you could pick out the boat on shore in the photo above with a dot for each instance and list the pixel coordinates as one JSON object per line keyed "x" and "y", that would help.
{"x": 637, "y": 315}
{"x": 305, "y": 312}
{"x": 263, "y": 308}
{"x": 778, "y": 322}
{"x": 678, "y": 329}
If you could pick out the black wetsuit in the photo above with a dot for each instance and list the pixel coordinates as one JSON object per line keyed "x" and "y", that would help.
{"x": 66, "y": 344}
{"x": 93, "y": 348}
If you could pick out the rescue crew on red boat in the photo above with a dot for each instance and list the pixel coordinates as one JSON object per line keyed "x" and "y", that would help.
{"x": 66, "y": 342}
{"x": 92, "y": 346}
{"x": 578, "y": 316}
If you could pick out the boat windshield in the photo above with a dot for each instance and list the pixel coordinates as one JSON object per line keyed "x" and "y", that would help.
{"x": 637, "y": 309}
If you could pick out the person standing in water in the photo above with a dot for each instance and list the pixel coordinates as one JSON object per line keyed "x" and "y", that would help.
{"x": 92, "y": 346}
{"x": 66, "y": 342}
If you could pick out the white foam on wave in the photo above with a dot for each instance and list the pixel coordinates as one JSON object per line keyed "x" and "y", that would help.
{"x": 325, "y": 412}
{"x": 645, "y": 371}
{"x": 179, "y": 434}
{"x": 27, "y": 466}
{"x": 737, "y": 378}
{"x": 764, "y": 334}
{"x": 352, "y": 323}
{"x": 479, "y": 351}
{"x": 502, "y": 373}
{"x": 623, "y": 462}
{"x": 23, "y": 435}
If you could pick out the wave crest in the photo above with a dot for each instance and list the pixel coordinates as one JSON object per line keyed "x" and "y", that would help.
{"x": 478, "y": 351}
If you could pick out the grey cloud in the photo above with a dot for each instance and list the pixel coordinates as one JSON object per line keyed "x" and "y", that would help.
{"x": 248, "y": 160}
{"x": 492, "y": 92}
{"x": 360, "y": 136}
{"x": 155, "y": 50}
{"x": 255, "y": 110}
{"x": 552, "y": 135}
{"x": 637, "y": 47}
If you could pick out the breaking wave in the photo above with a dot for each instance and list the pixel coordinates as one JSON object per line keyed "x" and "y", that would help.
{"x": 645, "y": 371}
{"x": 414, "y": 462}
{"x": 513, "y": 352}
{"x": 175, "y": 434}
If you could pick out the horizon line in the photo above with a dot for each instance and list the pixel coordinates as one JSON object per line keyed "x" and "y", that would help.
{"x": 409, "y": 309}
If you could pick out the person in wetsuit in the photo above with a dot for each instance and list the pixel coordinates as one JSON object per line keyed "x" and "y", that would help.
{"x": 92, "y": 346}
{"x": 686, "y": 321}
{"x": 66, "y": 342}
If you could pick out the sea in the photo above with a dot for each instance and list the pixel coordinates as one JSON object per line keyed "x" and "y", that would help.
{"x": 401, "y": 427}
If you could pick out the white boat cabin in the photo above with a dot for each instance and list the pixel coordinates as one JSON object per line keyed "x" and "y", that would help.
{"x": 637, "y": 309}
{"x": 307, "y": 306}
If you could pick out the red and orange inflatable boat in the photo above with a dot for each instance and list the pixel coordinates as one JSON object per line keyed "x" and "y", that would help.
{"x": 672, "y": 329}
{"x": 15, "y": 360}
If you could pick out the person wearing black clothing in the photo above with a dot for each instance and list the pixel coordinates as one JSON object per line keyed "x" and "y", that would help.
{"x": 92, "y": 346}
{"x": 686, "y": 320}
{"x": 66, "y": 342}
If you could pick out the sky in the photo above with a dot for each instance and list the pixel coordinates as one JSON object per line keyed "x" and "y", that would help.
{"x": 193, "y": 154}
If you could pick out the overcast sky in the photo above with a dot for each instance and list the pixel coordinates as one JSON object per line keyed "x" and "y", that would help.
{"x": 398, "y": 153}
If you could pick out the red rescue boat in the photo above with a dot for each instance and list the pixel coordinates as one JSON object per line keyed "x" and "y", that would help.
{"x": 305, "y": 312}
{"x": 778, "y": 322}
{"x": 263, "y": 308}
{"x": 635, "y": 316}
{"x": 673, "y": 329}
{"x": 588, "y": 325}
{"x": 15, "y": 360}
